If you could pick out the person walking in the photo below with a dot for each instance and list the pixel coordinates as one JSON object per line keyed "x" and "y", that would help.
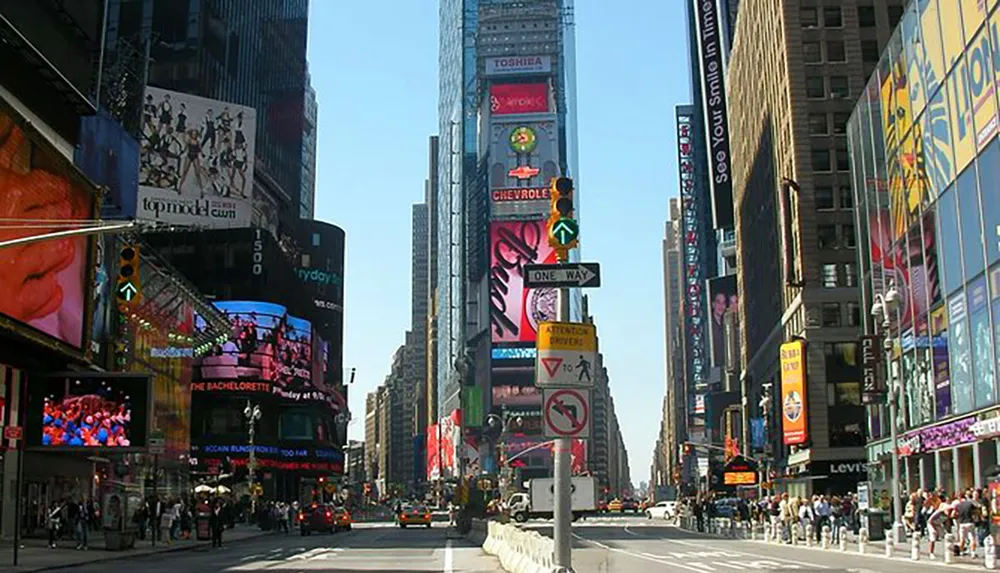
{"x": 216, "y": 523}
{"x": 82, "y": 525}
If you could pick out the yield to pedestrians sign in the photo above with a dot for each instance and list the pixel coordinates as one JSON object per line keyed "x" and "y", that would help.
{"x": 567, "y": 355}
{"x": 566, "y": 412}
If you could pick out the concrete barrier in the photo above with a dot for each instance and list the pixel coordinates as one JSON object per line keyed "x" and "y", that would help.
{"x": 519, "y": 551}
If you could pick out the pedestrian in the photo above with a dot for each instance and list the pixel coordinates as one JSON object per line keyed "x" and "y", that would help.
{"x": 216, "y": 523}
{"x": 82, "y": 525}
{"x": 55, "y": 522}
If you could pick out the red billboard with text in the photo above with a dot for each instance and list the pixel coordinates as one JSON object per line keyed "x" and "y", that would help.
{"x": 515, "y": 311}
{"x": 508, "y": 99}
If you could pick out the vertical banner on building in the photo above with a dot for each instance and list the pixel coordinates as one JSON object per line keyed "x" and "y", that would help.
{"x": 713, "y": 93}
{"x": 794, "y": 409}
{"x": 694, "y": 274}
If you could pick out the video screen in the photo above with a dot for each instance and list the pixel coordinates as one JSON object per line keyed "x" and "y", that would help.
{"x": 90, "y": 411}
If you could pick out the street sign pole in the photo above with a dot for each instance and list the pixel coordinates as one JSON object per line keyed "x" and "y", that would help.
{"x": 563, "y": 509}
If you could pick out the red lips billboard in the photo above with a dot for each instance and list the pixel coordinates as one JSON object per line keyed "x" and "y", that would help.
{"x": 507, "y": 99}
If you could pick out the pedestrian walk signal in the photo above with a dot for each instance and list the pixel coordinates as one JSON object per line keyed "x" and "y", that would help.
{"x": 129, "y": 286}
{"x": 563, "y": 230}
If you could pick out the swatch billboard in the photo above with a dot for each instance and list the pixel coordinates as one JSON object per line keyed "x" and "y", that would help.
{"x": 509, "y": 99}
{"x": 515, "y": 311}
{"x": 268, "y": 350}
{"x": 43, "y": 284}
{"x": 196, "y": 161}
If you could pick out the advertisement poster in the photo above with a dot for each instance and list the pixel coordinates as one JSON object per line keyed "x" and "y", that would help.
{"x": 794, "y": 410}
{"x": 508, "y": 99}
{"x": 44, "y": 284}
{"x": 518, "y": 65}
{"x": 722, "y": 298}
{"x": 960, "y": 355}
{"x": 433, "y": 452}
{"x": 196, "y": 161}
{"x": 268, "y": 350}
{"x": 89, "y": 410}
{"x": 100, "y": 300}
{"x": 942, "y": 376}
{"x": 911, "y": 263}
{"x": 515, "y": 311}
{"x": 516, "y": 396}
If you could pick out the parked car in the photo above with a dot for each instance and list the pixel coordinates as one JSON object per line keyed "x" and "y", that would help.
{"x": 662, "y": 510}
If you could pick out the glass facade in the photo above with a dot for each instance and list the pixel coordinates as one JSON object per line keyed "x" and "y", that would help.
{"x": 925, "y": 160}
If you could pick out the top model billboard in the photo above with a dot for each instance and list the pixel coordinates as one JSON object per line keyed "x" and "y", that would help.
{"x": 713, "y": 94}
{"x": 515, "y": 311}
{"x": 518, "y": 65}
{"x": 509, "y": 99}
{"x": 196, "y": 161}
{"x": 44, "y": 284}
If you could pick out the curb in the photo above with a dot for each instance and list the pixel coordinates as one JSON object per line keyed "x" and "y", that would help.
{"x": 126, "y": 555}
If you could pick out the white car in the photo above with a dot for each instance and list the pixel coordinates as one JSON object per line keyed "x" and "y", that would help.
{"x": 665, "y": 510}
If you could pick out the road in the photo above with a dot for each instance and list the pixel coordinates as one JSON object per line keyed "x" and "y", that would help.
{"x": 369, "y": 547}
{"x": 627, "y": 544}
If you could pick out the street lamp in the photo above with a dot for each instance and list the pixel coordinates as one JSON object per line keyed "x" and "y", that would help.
{"x": 882, "y": 309}
{"x": 252, "y": 414}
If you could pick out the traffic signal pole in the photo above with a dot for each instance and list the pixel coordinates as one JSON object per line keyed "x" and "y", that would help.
{"x": 563, "y": 507}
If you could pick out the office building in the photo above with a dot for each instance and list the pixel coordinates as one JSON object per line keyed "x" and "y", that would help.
{"x": 794, "y": 74}
{"x": 924, "y": 151}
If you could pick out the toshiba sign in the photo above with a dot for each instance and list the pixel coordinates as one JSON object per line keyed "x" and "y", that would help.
{"x": 511, "y": 65}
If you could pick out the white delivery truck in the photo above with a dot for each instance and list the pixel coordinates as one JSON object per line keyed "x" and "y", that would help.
{"x": 539, "y": 501}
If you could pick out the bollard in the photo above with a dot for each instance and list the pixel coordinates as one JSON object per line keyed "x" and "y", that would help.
{"x": 915, "y": 546}
{"x": 862, "y": 540}
{"x": 842, "y": 535}
{"x": 949, "y": 547}
{"x": 990, "y": 552}
{"x": 767, "y": 532}
{"x": 825, "y": 537}
{"x": 888, "y": 546}
{"x": 807, "y": 530}
{"x": 753, "y": 531}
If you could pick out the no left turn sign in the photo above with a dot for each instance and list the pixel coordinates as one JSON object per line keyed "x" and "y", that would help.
{"x": 566, "y": 413}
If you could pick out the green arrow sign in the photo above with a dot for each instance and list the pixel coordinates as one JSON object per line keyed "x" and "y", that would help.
{"x": 127, "y": 291}
{"x": 565, "y": 231}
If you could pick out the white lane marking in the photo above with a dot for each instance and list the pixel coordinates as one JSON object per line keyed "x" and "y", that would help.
{"x": 449, "y": 558}
{"x": 637, "y": 555}
{"x": 793, "y": 561}
{"x": 251, "y": 557}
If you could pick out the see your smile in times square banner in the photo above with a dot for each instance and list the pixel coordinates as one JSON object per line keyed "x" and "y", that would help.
{"x": 268, "y": 351}
{"x": 515, "y": 311}
{"x": 43, "y": 284}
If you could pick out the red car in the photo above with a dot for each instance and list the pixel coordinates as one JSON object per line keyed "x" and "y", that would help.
{"x": 317, "y": 517}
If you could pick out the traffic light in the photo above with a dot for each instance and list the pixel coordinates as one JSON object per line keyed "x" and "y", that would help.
{"x": 129, "y": 286}
{"x": 563, "y": 230}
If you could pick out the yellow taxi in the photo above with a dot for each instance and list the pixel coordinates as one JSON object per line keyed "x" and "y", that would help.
{"x": 615, "y": 505}
{"x": 342, "y": 519}
{"x": 414, "y": 515}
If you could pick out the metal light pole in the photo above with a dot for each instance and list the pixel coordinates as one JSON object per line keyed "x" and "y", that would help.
{"x": 882, "y": 309}
{"x": 252, "y": 413}
{"x": 562, "y": 508}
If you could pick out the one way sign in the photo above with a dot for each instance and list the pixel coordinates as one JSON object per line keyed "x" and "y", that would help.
{"x": 562, "y": 275}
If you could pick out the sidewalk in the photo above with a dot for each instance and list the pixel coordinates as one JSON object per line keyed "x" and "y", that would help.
{"x": 35, "y": 555}
{"x": 900, "y": 551}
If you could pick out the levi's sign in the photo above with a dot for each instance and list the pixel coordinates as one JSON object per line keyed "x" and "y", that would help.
{"x": 563, "y": 275}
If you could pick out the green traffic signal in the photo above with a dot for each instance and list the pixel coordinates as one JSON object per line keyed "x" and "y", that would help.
{"x": 565, "y": 231}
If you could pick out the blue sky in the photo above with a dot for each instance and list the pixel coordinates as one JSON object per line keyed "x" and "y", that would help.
{"x": 374, "y": 67}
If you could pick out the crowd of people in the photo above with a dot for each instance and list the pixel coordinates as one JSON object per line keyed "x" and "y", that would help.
{"x": 968, "y": 515}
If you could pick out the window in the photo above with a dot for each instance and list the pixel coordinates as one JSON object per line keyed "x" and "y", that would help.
{"x": 850, "y": 241}
{"x": 949, "y": 253}
{"x": 831, "y": 313}
{"x": 989, "y": 182}
{"x": 225, "y": 420}
{"x": 866, "y": 16}
{"x": 840, "y": 123}
{"x": 818, "y": 124}
{"x": 811, "y": 53}
{"x": 846, "y": 197}
{"x": 296, "y": 426}
{"x": 853, "y": 314}
{"x": 843, "y": 157}
{"x": 895, "y": 15}
{"x": 832, "y": 17}
{"x": 869, "y": 51}
{"x": 850, "y": 274}
{"x": 815, "y": 88}
{"x": 824, "y": 199}
{"x": 835, "y": 51}
{"x": 826, "y": 237}
{"x": 839, "y": 87}
{"x": 809, "y": 17}
{"x": 315, "y": 238}
{"x": 820, "y": 159}
{"x": 968, "y": 222}
{"x": 829, "y": 277}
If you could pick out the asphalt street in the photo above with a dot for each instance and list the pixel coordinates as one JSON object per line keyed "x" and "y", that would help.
{"x": 628, "y": 544}
{"x": 369, "y": 547}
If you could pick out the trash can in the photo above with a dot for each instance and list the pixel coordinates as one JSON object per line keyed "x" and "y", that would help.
{"x": 874, "y": 521}
{"x": 202, "y": 522}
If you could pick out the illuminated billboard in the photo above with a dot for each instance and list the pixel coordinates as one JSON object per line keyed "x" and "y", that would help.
{"x": 515, "y": 311}
{"x": 43, "y": 284}
{"x": 509, "y": 99}
{"x": 196, "y": 161}
{"x": 517, "y": 65}
{"x": 524, "y": 157}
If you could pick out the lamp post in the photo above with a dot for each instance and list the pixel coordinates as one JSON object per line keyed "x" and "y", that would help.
{"x": 882, "y": 309}
{"x": 252, "y": 414}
